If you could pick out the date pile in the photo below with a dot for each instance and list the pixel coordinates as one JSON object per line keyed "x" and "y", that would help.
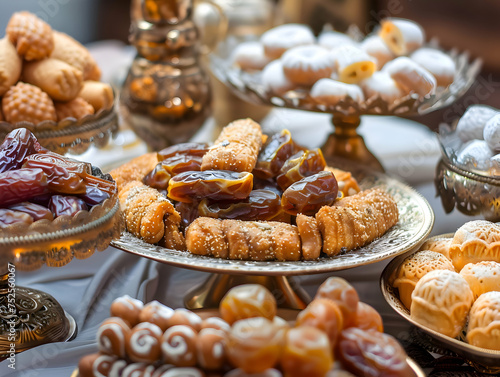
{"x": 37, "y": 184}
{"x": 336, "y": 335}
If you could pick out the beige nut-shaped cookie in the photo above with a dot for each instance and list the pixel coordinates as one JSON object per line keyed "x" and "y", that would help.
{"x": 482, "y": 277}
{"x": 75, "y": 54}
{"x": 441, "y": 301}
{"x": 10, "y": 65}
{"x": 76, "y": 108}
{"x": 98, "y": 94}
{"x": 31, "y": 36}
{"x": 58, "y": 79}
{"x": 484, "y": 322}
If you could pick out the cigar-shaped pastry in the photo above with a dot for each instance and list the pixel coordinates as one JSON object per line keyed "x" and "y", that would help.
{"x": 135, "y": 170}
{"x": 310, "y": 237}
{"x": 353, "y": 64}
{"x": 98, "y": 94}
{"x": 236, "y": 148}
{"x": 354, "y": 221}
{"x": 58, "y": 79}
{"x": 401, "y": 36}
{"x": 10, "y": 65}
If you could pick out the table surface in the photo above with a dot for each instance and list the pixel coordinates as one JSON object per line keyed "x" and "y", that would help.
{"x": 86, "y": 288}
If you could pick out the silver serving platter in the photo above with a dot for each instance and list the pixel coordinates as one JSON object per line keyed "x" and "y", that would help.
{"x": 482, "y": 359}
{"x": 415, "y": 223}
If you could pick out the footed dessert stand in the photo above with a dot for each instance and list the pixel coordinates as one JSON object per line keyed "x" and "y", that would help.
{"x": 415, "y": 223}
{"x": 344, "y": 142}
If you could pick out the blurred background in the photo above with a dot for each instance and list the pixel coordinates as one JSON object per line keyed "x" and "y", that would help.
{"x": 456, "y": 23}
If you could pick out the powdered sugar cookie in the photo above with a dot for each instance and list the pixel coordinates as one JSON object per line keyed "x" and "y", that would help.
{"x": 475, "y": 153}
{"x": 491, "y": 133}
{"x": 401, "y": 36}
{"x": 332, "y": 39}
{"x": 436, "y": 62}
{"x": 250, "y": 56}
{"x": 274, "y": 79}
{"x": 353, "y": 64}
{"x": 471, "y": 124}
{"x": 281, "y": 38}
{"x": 304, "y": 65}
{"x": 411, "y": 76}
{"x": 376, "y": 48}
{"x": 330, "y": 92}
{"x": 382, "y": 85}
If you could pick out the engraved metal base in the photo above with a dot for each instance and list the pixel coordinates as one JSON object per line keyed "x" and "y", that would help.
{"x": 29, "y": 318}
{"x": 346, "y": 143}
{"x": 288, "y": 294}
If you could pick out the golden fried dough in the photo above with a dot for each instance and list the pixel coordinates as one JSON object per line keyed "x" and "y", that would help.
{"x": 134, "y": 170}
{"x": 310, "y": 237}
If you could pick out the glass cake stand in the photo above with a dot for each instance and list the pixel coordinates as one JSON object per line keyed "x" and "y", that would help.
{"x": 415, "y": 223}
{"x": 29, "y": 317}
{"x": 344, "y": 142}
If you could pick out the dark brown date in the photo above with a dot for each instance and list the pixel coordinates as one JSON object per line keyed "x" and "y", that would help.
{"x": 16, "y": 146}
{"x": 301, "y": 165}
{"x": 157, "y": 178}
{"x": 36, "y": 211}
{"x": 69, "y": 164}
{"x": 266, "y": 184}
{"x": 8, "y": 216}
{"x": 311, "y": 193}
{"x": 21, "y": 185}
{"x": 211, "y": 184}
{"x": 94, "y": 196}
{"x": 193, "y": 149}
{"x": 179, "y": 164}
{"x": 66, "y": 205}
{"x": 189, "y": 213}
{"x": 273, "y": 155}
{"x": 372, "y": 353}
{"x": 60, "y": 179}
{"x": 260, "y": 205}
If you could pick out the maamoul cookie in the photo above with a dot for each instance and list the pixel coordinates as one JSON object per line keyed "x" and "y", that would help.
{"x": 411, "y": 76}
{"x": 332, "y": 39}
{"x": 281, "y": 38}
{"x": 98, "y": 94}
{"x": 76, "y": 108}
{"x": 401, "y": 36}
{"x": 10, "y": 65}
{"x": 59, "y": 80}
{"x": 382, "y": 85}
{"x": 474, "y": 242}
{"x": 330, "y": 92}
{"x": 439, "y": 245}
{"x": 374, "y": 46}
{"x": 482, "y": 277}
{"x": 441, "y": 301}
{"x": 436, "y": 62}
{"x": 484, "y": 322}
{"x": 25, "y": 102}
{"x": 413, "y": 268}
{"x": 353, "y": 64}
{"x": 470, "y": 126}
{"x": 250, "y": 56}
{"x": 31, "y": 36}
{"x": 491, "y": 133}
{"x": 304, "y": 65}
{"x": 274, "y": 79}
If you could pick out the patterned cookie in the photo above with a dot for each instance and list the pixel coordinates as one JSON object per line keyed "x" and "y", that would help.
{"x": 77, "y": 108}
{"x": 10, "y": 65}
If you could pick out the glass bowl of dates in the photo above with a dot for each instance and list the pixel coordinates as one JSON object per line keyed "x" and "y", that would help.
{"x": 52, "y": 208}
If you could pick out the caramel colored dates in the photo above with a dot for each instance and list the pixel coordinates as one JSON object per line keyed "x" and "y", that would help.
{"x": 21, "y": 185}
{"x": 16, "y": 146}
{"x": 211, "y": 184}
{"x": 157, "y": 178}
{"x": 260, "y": 205}
{"x": 36, "y": 211}
{"x": 273, "y": 155}
{"x": 188, "y": 212}
{"x": 307, "y": 352}
{"x": 343, "y": 294}
{"x": 325, "y": 315}
{"x": 309, "y": 194}
{"x": 267, "y": 184}
{"x": 300, "y": 165}
{"x": 181, "y": 163}
{"x": 94, "y": 196}
{"x": 372, "y": 353}
{"x": 60, "y": 179}
{"x": 8, "y": 217}
{"x": 254, "y": 344}
{"x": 367, "y": 318}
{"x": 66, "y": 205}
{"x": 193, "y": 149}
{"x": 246, "y": 301}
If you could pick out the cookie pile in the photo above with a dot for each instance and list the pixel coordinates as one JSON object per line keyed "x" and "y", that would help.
{"x": 46, "y": 75}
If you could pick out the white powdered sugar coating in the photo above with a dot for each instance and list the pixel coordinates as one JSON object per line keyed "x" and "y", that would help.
{"x": 405, "y": 36}
{"x": 412, "y": 76}
{"x": 377, "y": 49}
{"x": 274, "y": 79}
{"x": 129, "y": 302}
{"x": 491, "y": 133}
{"x": 436, "y": 62}
{"x": 332, "y": 39}
{"x": 159, "y": 310}
{"x": 381, "y": 84}
{"x": 345, "y": 56}
{"x": 249, "y": 55}
{"x": 471, "y": 124}
{"x": 288, "y": 36}
{"x": 307, "y": 58}
{"x": 475, "y": 153}
{"x": 331, "y": 91}
{"x": 114, "y": 333}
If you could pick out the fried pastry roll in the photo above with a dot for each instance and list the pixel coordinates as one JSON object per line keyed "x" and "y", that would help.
{"x": 148, "y": 214}
{"x": 245, "y": 240}
{"x": 236, "y": 148}
{"x": 310, "y": 237}
{"x": 346, "y": 182}
{"x": 356, "y": 220}
{"x": 134, "y": 170}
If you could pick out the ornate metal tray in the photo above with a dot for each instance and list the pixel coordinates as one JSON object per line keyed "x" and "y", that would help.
{"x": 415, "y": 223}
{"x": 483, "y": 360}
